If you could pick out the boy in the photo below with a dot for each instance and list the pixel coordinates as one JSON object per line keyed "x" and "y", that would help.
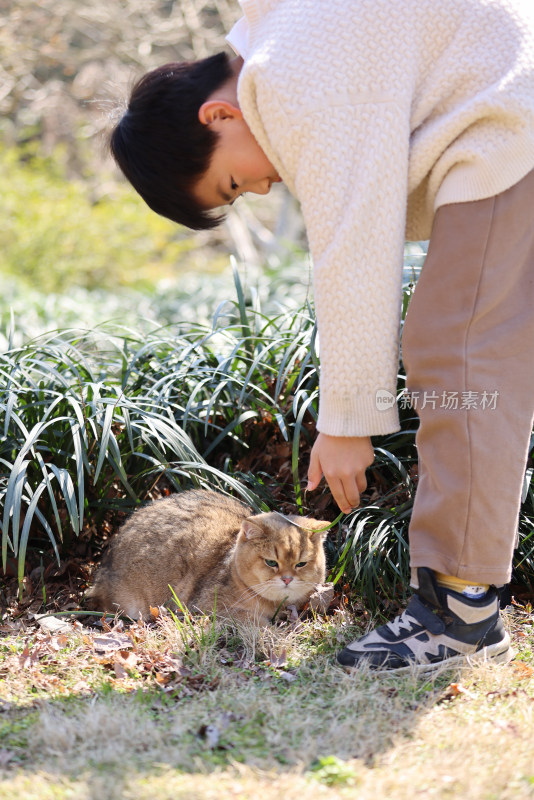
{"x": 387, "y": 119}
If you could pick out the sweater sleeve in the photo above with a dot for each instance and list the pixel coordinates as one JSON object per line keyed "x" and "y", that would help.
{"x": 351, "y": 176}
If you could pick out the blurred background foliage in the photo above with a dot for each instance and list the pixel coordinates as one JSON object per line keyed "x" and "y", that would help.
{"x": 54, "y": 236}
{"x": 65, "y": 73}
{"x": 63, "y": 63}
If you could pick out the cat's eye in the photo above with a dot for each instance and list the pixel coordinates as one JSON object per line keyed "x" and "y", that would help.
{"x": 301, "y": 564}
{"x": 271, "y": 563}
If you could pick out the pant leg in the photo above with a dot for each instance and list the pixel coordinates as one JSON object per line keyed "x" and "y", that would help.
{"x": 470, "y": 329}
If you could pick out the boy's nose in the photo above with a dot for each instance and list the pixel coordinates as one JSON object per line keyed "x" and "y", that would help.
{"x": 261, "y": 187}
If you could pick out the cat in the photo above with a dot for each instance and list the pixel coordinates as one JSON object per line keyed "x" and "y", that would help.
{"x": 215, "y": 553}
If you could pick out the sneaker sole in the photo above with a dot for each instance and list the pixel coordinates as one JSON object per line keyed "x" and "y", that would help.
{"x": 499, "y": 653}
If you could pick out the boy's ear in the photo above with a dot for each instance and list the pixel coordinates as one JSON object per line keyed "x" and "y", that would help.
{"x": 215, "y": 110}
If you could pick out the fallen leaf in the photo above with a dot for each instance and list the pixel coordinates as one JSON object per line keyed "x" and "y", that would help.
{"x": 522, "y": 670}
{"x": 10, "y": 627}
{"x": 119, "y": 670}
{"x": 455, "y": 690}
{"x": 287, "y": 676}
{"x": 128, "y": 659}
{"x": 111, "y": 641}
{"x": 277, "y": 661}
{"x": 172, "y": 663}
{"x": 53, "y": 625}
{"x": 105, "y": 661}
{"x": 321, "y": 598}
{"x": 28, "y": 658}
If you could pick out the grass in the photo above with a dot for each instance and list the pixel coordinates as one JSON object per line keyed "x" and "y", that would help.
{"x": 255, "y": 712}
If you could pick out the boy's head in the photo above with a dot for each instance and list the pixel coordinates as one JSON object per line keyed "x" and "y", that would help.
{"x": 183, "y": 143}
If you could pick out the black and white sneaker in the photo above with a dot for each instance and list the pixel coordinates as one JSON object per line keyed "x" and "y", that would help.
{"x": 439, "y": 627}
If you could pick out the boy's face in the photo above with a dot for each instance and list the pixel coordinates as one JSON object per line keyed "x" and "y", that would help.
{"x": 238, "y": 163}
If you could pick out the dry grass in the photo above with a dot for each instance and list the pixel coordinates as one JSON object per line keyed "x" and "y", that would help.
{"x": 257, "y": 714}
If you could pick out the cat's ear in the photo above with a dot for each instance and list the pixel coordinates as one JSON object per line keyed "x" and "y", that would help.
{"x": 316, "y": 527}
{"x": 251, "y": 529}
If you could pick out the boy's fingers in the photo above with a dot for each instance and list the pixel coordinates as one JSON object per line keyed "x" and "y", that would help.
{"x": 361, "y": 480}
{"x": 315, "y": 473}
{"x": 347, "y": 498}
{"x": 352, "y": 493}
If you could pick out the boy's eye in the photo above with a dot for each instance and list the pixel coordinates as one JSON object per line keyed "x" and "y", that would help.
{"x": 301, "y": 564}
{"x": 233, "y": 184}
{"x": 271, "y": 563}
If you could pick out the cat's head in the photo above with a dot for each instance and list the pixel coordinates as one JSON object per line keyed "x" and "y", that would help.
{"x": 281, "y": 558}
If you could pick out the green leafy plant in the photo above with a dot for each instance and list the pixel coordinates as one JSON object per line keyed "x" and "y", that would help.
{"x": 93, "y": 423}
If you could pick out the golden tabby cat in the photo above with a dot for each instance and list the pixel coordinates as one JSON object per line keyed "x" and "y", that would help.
{"x": 212, "y": 550}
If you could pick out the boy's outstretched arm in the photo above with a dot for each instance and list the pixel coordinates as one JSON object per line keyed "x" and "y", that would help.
{"x": 343, "y": 461}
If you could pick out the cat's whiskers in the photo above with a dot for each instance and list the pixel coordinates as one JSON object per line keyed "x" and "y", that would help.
{"x": 306, "y": 583}
{"x": 247, "y": 594}
{"x": 252, "y": 591}
{"x": 253, "y": 588}
{"x": 283, "y": 591}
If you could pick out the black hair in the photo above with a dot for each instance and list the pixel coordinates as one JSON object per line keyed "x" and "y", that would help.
{"x": 160, "y": 144}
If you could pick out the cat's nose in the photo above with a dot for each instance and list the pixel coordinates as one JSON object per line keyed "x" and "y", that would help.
{"x": 287, "y": 579}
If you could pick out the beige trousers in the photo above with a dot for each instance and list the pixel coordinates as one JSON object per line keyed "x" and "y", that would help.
{"x": 468, "y": 349}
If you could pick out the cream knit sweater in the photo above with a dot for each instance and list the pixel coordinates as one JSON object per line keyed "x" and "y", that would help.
{"x": 375, "y": 113}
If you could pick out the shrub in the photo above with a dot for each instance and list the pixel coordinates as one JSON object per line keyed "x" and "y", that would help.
{"x": 54, "y": 235}
{"x": 93, "y": 422}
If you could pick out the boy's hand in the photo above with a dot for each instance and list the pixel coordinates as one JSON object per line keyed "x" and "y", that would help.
{"x": 343, "y": 461}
